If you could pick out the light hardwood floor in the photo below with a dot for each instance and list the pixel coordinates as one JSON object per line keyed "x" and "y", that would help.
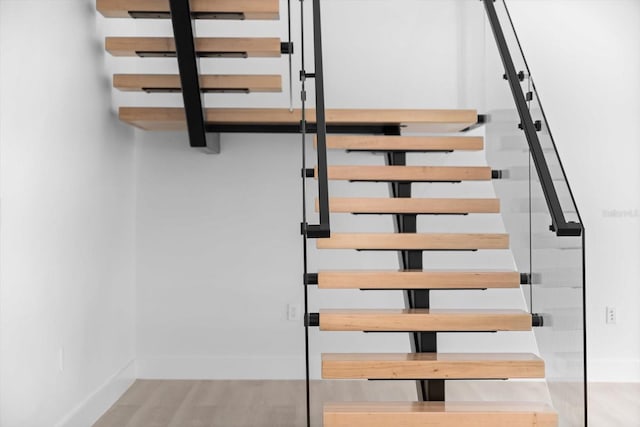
{"x": 160, "y": 403}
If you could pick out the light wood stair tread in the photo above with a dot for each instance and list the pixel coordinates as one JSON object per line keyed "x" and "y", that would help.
{"x": 439, "y": 414}
{"x": 158, "y": 118}
{"x": 403, "y": 143}
{"x": 414, "y": 241}
{"x": 424, "y": 320}
{"x": 141, "y": 46}
{"x": 365, "y": 205}
{"x": 418, "y": 279}
{"x": 171, "y": 82}
{"x": 431, "y": 366}
{"x": 248, "y": 9}
{"x": 409, "y": 173}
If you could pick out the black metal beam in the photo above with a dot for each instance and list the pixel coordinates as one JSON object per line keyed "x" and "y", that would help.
{"x": 189, "y": 75}
{"x": 366, "y": 129}
{"x": 559, "y": 223}
{"x": 421, "y": 342}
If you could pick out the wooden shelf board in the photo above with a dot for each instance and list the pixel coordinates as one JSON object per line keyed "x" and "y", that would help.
{"x": 145, "y": 46}
{"x": 418, "y": 279}
{"x": 412, "y": 206}
{"x": 431, "y": 366}
{"x": 249, "y": 9}
{"x": 414, "y": 241}
{"x": 424, "y": 320}
{"x": 409, "y": 173}
{"x": 403, "y": 143}
{"x": 439, "y": 414}
{"x": 159, "y": 118}
{"x": 171, "y": 82}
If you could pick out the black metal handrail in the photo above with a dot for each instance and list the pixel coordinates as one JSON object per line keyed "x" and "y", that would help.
{"x": 559, "y": 223}
{"x": 189, "y": 76}
{"x": 323, "y": 229}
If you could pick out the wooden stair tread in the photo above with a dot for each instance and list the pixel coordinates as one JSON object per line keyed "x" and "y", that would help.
{"x": 171, "y": 82}
{"x": 439, "y": 414}
{"x": 156, "y": 118}
{"x": 249, "y": 9}
{"x": 418, "y": 279}
{"x": 409, "y": 173}
{"x": 424, "y": 320}
{"x": 412, "y": 205}
{"x": 414, "y": 366}
{"x": 140, "y": 46}
{"x": 414, "y": 241}
{"x": 403, "y": 143}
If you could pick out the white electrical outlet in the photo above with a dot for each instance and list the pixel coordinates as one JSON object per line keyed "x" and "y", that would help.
{"x": 611, "y": 315}
{"x": 61, "y": 359}
{"x": 293, "y": 311}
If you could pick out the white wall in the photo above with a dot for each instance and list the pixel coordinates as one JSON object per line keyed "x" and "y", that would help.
{"x": 67, "y": 208}
{"x": 585, "y": 58}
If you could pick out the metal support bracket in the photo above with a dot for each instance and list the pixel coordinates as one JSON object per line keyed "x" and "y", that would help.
{"x": 521, "y": 76}
{"x": 312, "y": 319}
{"x": 311, "y": 279}
{"x": 537, "y": 320}
{"x": 537, "y": 124}
{"x": 286, "y": 48}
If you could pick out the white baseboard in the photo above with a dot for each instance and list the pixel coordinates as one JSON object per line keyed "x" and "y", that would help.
{"x": 226, "y": 368}
{"x": 614, "y": 370}
{"x": 98, "y": 402}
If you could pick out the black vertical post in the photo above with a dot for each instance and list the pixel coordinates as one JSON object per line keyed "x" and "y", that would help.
{"x": 422, "y": 342}
{"x": 189, "y": 76}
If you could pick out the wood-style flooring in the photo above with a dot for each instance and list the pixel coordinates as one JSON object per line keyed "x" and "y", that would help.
{"x": 163, "y": 403}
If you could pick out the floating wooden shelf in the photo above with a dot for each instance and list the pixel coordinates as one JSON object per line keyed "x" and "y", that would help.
{"x": 208, "y": 83}
{"x": 439, "y": 414}
{"x": 403, "y": 143}
{"x": 424, "y": 320}
{"x": 201, "y": 9}
{"x": 409, "y": 173}
{"x": 412, "y": 206}
{"x": 154, "y": 118}
{"x": 414, "y": 366}
{"x": 205, "y": 47}
{"x": 418, "y": 279}
{"x": 414, "y": 241}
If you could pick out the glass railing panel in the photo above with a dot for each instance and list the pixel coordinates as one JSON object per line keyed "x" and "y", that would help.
{"x": 507, "y": 152}
{"x": 558, "y": 296}
{"x": 554, "y": 261}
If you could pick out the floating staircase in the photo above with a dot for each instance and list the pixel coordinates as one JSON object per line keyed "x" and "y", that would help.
{"x": 425, "y": 364}
{"x": 361, "y": 130}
